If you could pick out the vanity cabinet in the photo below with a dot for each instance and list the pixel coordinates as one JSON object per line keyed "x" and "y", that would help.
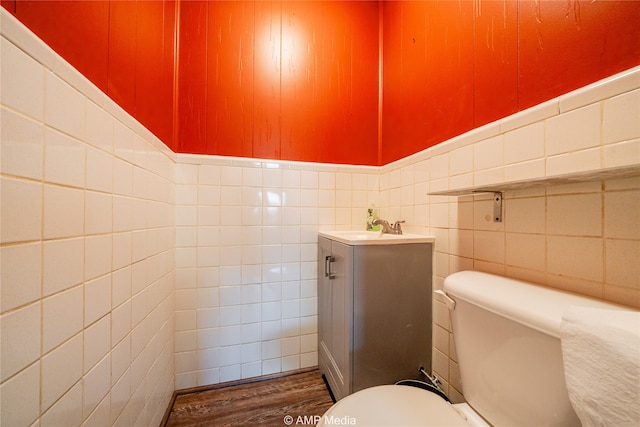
{"x": 374, "y": 311}
{"x": 335, "y": 311}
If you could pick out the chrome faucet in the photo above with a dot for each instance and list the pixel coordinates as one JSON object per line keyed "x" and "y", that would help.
{"x": 396, "y": 228}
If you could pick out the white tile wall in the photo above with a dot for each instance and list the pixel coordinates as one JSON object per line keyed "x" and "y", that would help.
{"x": 93, "y": 242}
{"x": 246, "y": 236}
{"x": 85, "y": 340}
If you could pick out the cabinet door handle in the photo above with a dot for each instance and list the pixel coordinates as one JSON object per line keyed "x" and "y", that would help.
{"x": 327, "y": 267}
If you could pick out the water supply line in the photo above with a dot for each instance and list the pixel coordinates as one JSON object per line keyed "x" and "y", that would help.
{"x": 434, "y": 380}
{"x": 433, "y": 385}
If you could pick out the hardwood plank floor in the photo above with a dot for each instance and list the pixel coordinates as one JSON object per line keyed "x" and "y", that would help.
{"x": 264, "y": 403}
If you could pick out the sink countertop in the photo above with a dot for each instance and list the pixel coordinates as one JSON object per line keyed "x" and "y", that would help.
{"x": 362, "y": 237}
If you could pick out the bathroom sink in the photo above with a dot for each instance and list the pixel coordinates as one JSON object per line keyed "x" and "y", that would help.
{"x": 361, "y": 237}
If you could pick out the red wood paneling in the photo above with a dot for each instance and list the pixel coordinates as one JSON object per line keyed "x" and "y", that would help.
{"x": 123, "y": 20}
{"x": 9, "y": 5}
{"x": 394, "y": 114}
{"x": 267, "y": 68}
{"x": 125, "y": 48}
{"x": 283, "y": 80}
{"x": 150, "y": 100}
{"x": 450, "y": 72}
{"x": 302, "y": 101}
{"x": 433, "y": 99}
{"x": 169, "y": 58}
{"x": 487, "y": 60}
{"x": 230, "y": 79}
{"x": 333, "y": 104}
{"x": 192, "y": 78}
{"x": 495, "y": 61}
{"x": 565, "y": 45}
{"x": 325, "y": 75}
{"x": 415, "y": 86}
{"x": 405, "y": 83}
{"x": 336, "y": 86}
{"x": 363, "y": 117}
{"x": 77, "y": 30}
{"x": 298, "y": 80}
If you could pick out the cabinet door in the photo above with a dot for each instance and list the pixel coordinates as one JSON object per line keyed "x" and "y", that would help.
{"x": 334, "y": 314}
{"x": 342, "y": 314}
{"x": 324, "y": 305}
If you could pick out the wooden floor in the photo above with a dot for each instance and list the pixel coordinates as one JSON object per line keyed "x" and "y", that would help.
{"x": 264, "y": 403}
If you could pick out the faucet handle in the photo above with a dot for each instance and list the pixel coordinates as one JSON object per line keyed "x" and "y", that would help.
{"x": 397, "y": 227}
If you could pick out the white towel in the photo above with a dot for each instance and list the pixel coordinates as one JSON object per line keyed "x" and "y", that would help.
{"x": 601, "y": 354}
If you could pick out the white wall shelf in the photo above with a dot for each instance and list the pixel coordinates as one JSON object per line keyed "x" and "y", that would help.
{"x": 573, "y": 178}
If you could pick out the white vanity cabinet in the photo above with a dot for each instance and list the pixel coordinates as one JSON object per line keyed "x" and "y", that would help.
{"x": 374, "y": 309}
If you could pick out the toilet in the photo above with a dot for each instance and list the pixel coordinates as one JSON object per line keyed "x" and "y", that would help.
{"x": 507, "y": 340}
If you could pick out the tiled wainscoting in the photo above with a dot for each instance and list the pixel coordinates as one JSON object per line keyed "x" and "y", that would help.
{"x": 246, "y": 237}
{"x": 87, "y": 250}
{"x": 128, "y": 270}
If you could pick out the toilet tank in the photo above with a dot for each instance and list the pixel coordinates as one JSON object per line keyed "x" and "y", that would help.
{"x": 507, "y": 339}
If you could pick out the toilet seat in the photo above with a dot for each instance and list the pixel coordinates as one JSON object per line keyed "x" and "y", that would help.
{"x": 393, "y": 405}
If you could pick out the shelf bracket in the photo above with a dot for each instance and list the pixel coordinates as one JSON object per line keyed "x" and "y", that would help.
{"x": 497, "y": 207}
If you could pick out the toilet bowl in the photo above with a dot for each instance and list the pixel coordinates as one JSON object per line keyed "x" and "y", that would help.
{"x": 507, "y": 337}
{"x": 399, "y": 405}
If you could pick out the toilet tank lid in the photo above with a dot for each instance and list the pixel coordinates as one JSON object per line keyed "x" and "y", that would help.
{"x": 532, "y": 305}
